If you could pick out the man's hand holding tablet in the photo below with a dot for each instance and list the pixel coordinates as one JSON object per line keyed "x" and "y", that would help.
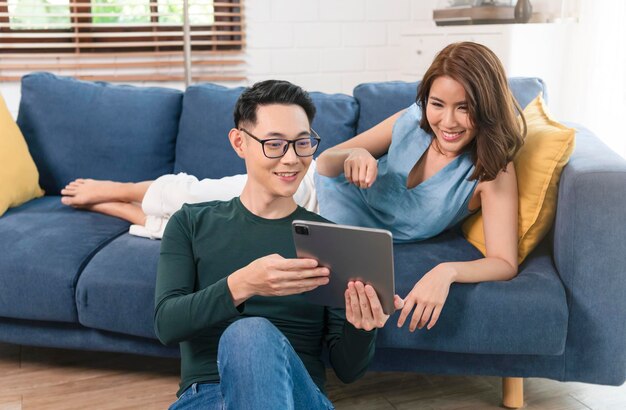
{"x": 363, "y": 308}
{"x": 361, "y": 270}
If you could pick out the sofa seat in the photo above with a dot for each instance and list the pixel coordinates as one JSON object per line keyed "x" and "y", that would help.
{"x": 116, "y": 293}
{"x": 526, "y": 315}
{"x": 49, "y": 244}
{"x": 116, "y": 289}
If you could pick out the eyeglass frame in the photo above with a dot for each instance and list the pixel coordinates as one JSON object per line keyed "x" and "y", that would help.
{"x": 315, "y": 136}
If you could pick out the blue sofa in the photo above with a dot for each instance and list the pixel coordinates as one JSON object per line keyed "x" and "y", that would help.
{"x": 75, "y": 279}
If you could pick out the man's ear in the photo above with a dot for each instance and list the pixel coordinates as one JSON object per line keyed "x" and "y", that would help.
{"x": 237, "y": 142}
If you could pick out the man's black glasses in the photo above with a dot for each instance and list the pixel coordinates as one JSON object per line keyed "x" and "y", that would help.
{"x": 277, "y": 147}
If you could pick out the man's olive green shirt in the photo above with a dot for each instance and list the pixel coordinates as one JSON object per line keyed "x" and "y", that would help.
{"x": 202, "y": 245}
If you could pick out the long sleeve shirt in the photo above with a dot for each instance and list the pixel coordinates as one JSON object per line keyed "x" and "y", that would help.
{"x": 201, "y": 246}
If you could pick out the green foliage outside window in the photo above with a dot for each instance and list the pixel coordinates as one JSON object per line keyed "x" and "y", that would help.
{"x": 55, "y": 14}
{"x": 39, "y": 14}
{"x": 200, "y": 11}
{"x": 129, "y": 11}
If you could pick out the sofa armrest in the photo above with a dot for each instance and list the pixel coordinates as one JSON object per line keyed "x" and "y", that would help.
{"x": 590, "y": 256}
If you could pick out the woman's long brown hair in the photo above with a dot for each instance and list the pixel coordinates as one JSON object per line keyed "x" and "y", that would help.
{"x": 490, "y": 103}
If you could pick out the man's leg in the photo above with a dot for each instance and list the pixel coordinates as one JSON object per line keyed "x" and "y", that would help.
{"x": 260, "y": 370}
{"x": 200, "y": 396}
{"x": 83, "y": 192}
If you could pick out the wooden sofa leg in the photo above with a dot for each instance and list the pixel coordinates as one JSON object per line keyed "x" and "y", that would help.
{"x": 513, "y": 392}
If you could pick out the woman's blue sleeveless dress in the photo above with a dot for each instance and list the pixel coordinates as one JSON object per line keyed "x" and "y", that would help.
{"x": 433, "y": 206}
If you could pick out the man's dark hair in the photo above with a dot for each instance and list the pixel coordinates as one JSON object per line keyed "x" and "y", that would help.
{"x": 271, "y": 92}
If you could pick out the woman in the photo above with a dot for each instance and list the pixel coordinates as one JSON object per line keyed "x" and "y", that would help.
{"x": 418, "y": 175}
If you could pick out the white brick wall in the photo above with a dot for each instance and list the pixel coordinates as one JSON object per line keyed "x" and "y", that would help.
{"x": 317, "y": 35}
{"x": 397, "y": 10}
{"x": 269, "y": 35}
{"x": 294, "y": 61}
{"x": 294, "y": 11}
{"x": 11, "y": 94}
{"x": 340, "y": 10}
{"x": 330, "y": 45}
{"x": 345, "y": 59}
{"x": 364, "y": 34}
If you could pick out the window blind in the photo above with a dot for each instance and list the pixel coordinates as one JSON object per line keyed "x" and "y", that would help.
{"x": 121, "y": 40}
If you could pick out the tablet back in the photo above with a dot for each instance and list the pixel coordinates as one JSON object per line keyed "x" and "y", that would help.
{"x": 351, "y": 253}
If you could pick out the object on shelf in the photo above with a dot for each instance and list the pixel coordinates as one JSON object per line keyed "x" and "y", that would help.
{"x": 523, "y": 11}
{"x": 467, "y": 12}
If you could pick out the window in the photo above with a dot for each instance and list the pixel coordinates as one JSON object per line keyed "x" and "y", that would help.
{"x": 121, "y": 40}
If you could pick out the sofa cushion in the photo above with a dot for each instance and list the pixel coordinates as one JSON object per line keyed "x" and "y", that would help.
{"x": 75, "y": 336}
{"x": 336, "y": 118}
{"x": 538, "y": 165}
{"x": 526, "y": 315}
{"x": 380, "y": 100}
{"x": 115, "y": 292}
{"x": 202, "y": 145}
{"x": 77, "y": 129}
{"x": 44, "y": 247}
{"x": 203, "y": 148}
{"x": 19, "y": 179}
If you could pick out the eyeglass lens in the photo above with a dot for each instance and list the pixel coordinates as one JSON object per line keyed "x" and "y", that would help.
{"x": 305, "y": 147}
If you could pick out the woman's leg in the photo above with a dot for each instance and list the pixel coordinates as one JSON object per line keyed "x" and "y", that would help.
{"x": 82, "y": 192}
{"x": 127, "y": 211}
{"x": 168, "y": 193}
{"x": 259, "y": 369}
{"x": 159, "y": 199}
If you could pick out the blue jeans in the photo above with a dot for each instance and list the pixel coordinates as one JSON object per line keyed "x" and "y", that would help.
{"x": 258, "y": 370}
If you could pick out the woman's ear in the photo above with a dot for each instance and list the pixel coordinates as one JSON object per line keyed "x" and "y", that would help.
{"x": 237, "y": 142}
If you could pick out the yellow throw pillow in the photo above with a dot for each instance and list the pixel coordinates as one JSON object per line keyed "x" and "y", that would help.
{"x": 538, "y": 165}
{"x": 19, "y": 179}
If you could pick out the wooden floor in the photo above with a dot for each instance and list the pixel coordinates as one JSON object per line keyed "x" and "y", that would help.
{"x": 42, "y": 379}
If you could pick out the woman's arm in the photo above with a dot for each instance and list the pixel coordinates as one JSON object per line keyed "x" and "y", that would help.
{"x": 499, "y": 206}
{"x": 499, "y": 201}
{"x": 374, "y": 141}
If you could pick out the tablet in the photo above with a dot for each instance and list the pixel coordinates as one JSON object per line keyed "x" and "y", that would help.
{"x": 351, "y": 253}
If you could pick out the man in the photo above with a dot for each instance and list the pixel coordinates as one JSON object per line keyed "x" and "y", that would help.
{"x": 229, "y": 284}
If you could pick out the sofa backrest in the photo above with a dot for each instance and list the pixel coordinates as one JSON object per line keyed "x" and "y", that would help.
{"x": 202, "y": 146}
{"x": 78, "y": 129}
{"x": 381, "y": 100}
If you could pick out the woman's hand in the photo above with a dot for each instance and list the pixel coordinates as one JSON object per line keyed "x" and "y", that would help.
{"x": 360, "y": 168}
{"x": 427, "y": 297}
{"x": 363, "y": 308}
